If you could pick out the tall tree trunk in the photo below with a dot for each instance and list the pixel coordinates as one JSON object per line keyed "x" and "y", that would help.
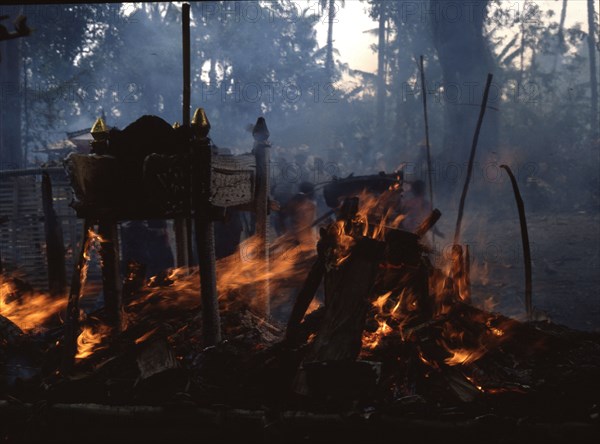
{"x": 10, "y": 103}
{"x": 381, "y": 72}
{"x": 329, "y": 59}
{"x": 560, "y": 34}
{"x": 594, "y": 121}
{"x": 400, "y": 135}
{"x": 561, "y": 26}
{"x": 465, "y": 59}
{"x": 25, "y": 140}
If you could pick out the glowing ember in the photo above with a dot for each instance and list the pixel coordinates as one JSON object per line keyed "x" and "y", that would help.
{"x": 145, "y": 336}
{"x": 463, "y": 357}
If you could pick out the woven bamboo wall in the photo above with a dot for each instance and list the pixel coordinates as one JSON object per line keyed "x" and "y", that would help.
{"x": 22, "y": 241}
{"x": 22, "y": 238}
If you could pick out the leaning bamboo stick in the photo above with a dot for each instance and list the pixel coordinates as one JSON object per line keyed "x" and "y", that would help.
{"x": 525, "y": 241}
{"x": 463, "y": 196}
{"x": 424, "y": 94}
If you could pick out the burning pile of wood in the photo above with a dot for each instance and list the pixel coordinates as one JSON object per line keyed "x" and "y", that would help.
{"x": 395, "y": 336}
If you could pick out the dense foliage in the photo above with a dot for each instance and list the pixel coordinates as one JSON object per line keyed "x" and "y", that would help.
{"x": 263, "y": 58}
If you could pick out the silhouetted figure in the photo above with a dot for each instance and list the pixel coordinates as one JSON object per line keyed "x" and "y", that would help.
{"x": 147, "y": 244}
{"x": 301, "y": 212}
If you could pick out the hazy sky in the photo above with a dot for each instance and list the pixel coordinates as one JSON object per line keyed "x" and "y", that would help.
{"x": 352, "y": 20}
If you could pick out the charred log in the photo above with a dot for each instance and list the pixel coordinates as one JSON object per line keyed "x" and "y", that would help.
{"x": 347, "y": 295}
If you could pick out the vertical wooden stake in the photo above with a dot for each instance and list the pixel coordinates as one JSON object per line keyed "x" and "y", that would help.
{"x": 205, "y": 235}
{"x": 261, "y": 152}
{"x": 181, "y": 241}
{"x": 72, "y": 317}
{"x": 55, "y": 248}
{"x": 205, "y": 238}
{"x": 111, "y": 273}
{"x": 185, "y": 44}
{"x": 181, "y": 226}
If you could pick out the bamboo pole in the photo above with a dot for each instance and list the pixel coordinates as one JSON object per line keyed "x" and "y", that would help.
{"x": 463, "y": 196}
{"x": 424, "y": 94}
{"x": 185, "y": 35}
{"x": 525, "y": 241}
{"x": 182, "y": 228}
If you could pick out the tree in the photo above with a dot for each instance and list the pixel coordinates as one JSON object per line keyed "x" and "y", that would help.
{"x": 465, "y": 59}
{"x": 10, "y": 102}
{"x": 10, "y": 109}
{"x": 560, "y": 34}
{"x": 71, "y": 62}
{"x": 330, "y": 7}
{"x": 381, "y": 84}
{"x": 592, "y": 26}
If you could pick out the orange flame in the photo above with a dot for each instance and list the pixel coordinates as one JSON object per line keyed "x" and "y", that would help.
{"x": 238, "y": 280}
{"x": 464, "y": 356}
{"x": 90, "y": 340}
{"x": 30, "y": 310}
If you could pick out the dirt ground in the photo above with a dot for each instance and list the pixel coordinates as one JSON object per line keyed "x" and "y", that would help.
{"x": 566, "y": 266}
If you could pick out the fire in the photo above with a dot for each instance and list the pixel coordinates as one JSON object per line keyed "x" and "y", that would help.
{"x": 464, "y": 357}
{"x": 93, "y": 241}
{"x": 381, "y": 300}
{"x": 238, "y": 277}
{"x": 398, "y": 313}
{"x": 314, "y": 305}
{"x": 344, "y": 242}
{"x": 379, "y": 212}
{"x": 146, "y": 335}
{"x": 90, "y": 340}
{"x": 384, "y": 312}
{"x": 28, "y": 310}
{"x": 376, "y": 214}
{"x": 31, "y": 309}
{"x": 245, "y": 267}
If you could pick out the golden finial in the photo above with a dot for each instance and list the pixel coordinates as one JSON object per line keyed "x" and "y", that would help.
{"x": 176, "y": 125}
{"x": 200, "y": 122}
{"x": 99, "y": 130}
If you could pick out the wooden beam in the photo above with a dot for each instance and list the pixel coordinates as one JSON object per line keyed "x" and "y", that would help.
{"x": 261, "y": 151}
{"x": 205, "y": 233}
{"x": 55, "y": 249}
{"x": 111, "y": 273}
{"x": 181, "y": 242}
{"x": 72, "y": 317}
